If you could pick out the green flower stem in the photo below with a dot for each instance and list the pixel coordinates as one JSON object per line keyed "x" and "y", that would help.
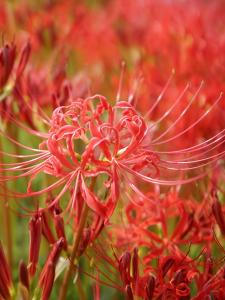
{"x": 70, "y": 270}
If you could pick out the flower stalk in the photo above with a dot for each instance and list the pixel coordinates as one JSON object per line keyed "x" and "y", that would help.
{"x": 75, "y": 248}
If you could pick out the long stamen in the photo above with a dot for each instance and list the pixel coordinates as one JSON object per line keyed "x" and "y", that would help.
{"x": 197, "y": 147}
{"x": 19, "y": 144}
{"x": 24, "y": 163}
{"x": 27, "y": 129}
{"x": 161, "y": 182}
{"x": 202, "y": 153}
{"x": 20, "y": 155}
{"x": 160, "y": 97}
{"x": 193, "y": 124}
{"x": 220, "y": 154}
{"x": 171, "y": 108}
{"x": 178, "y": 167}
{"x": 51, "y": 187}
{"x": 120, "y": 81}
{"x": 181, "y": 115}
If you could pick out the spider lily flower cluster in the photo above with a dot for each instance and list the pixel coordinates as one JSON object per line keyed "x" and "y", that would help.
{"x": 151, "y": 265}
{"x": 91, "y": 142}
{"x": 125, "y": 190}
{"x": 98, "y": 153}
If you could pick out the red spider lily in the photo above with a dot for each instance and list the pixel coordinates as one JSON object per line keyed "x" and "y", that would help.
{"x": 172, "y": 280}
{"x": 192, "y": 223}
{"x": 175, "y": 273}
{"x": 90, "y": 151}
{"x": 171, "y": 277}
{"x": 117, "y": 143}
{"x": 214, "y": 286}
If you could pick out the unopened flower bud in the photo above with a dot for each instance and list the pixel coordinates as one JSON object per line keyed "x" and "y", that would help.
{"x": 23, "y": 274}
{"x": 35, "y": 227}
{"x": 5, "y": 276}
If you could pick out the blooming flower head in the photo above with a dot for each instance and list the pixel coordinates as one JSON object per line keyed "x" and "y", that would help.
{"x": 91, "y": 144}
{"x": 155, "y": 260}
{"x": 90, "y": 138}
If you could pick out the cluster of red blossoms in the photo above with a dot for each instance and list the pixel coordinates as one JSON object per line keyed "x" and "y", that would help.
{"x": 124, "y": 192}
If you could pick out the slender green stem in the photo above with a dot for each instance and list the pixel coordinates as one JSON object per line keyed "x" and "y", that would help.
{"x": 70, "y": 270}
